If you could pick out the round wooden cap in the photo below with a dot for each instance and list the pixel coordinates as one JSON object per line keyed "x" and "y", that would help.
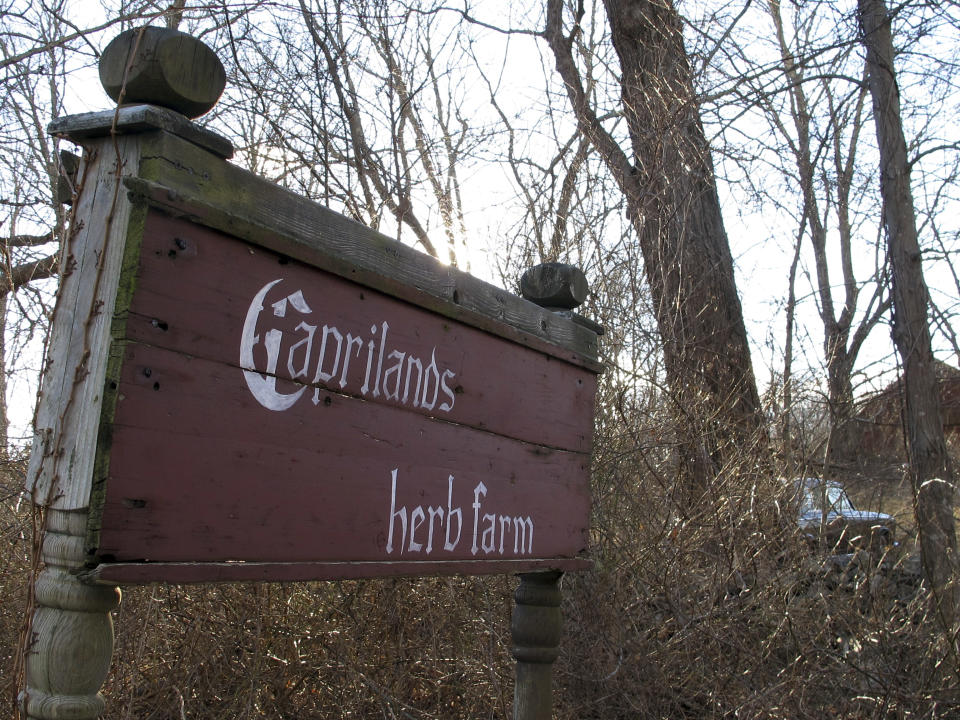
{"x": 555, "y": 285}
{"x": 170, "y": 69}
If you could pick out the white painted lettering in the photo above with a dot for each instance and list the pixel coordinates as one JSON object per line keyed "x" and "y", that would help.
{"x": 272, "y": 342}
{"x": 366, "y": 376}
{"x": 394, "y": 513}
{"x": 322, "y": 375}
{"x": 414, "y": 524}
{"x": 383, "y": 347}
{"x": 489, "y": 543}
{"x": 430, "y": 373}
{"x": 504, "y": 528}
{"x": 424, "y": 385}
{"x": 479, "y": 490}
{"x": 447, "y": 406}
{"x": 351, "y": 340}
{"x": 440, "y": 521}
{"x": 308, "y": 343}
{"x": 411, "y": 362}
{"x": 522, "y": 531}
{"x": 396, "y": 369}
{"x": 451, "y": 511}
{"x": 263, "y": 387}
{"x": 296, "y": 299}
{"x": 433, "y": 512}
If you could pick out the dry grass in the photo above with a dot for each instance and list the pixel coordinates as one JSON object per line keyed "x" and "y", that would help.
{"x": 14, "y": 564}
{"x": 722, "y": 615}
{"x": 352, "y": 649}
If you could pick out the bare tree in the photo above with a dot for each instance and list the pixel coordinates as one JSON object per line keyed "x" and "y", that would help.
{"x": 930, "y": 470}
{"x": 31, "y": 223}
{"x": 668, "y": 182}
{"x": 826, "y": 154}
{"x": 361, "y": 105}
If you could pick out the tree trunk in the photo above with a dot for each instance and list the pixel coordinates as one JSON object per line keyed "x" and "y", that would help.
{"x": 786, "y": 429}
{"x": 672, "y": 203}
{"x": 840, "y": 443}
{"x": 930, "y": 470}
{"x": 675, "y": 211}
{"x": 4, "y": 417}
{"x": 814, "y": 165}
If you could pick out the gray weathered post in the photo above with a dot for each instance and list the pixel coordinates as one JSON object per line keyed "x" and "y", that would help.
{"x": 72, "y": 634}
{"x": 536, "y": 626}
{"x": 68, "y": 652}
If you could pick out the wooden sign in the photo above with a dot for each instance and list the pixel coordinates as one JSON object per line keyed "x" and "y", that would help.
{"x": 273, "y": 420}
{"x": 243, "y": 385}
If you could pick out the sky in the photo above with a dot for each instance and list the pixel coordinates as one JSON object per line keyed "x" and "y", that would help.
{"x": 760, "y": 239}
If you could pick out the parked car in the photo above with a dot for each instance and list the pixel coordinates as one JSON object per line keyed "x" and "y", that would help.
{"x": 844, "y": 527}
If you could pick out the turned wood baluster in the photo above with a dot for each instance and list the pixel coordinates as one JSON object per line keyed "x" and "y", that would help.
{"x": 69, "y": 651}
{"x": 536, "y": 629}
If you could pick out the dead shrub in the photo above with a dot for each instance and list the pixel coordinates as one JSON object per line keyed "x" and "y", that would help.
{"x": 725, "y": 613}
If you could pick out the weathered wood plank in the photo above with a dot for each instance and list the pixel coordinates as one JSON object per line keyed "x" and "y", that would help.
{"x": 194, "y": 293}
{"x": 140, "y": 573}
{"x": 192, "y": 465}
{"x": 200, "y": 472}
{"x": 139, "y": 119}
{"x": 238, "y": 203}
{"x": 68, "y": 415}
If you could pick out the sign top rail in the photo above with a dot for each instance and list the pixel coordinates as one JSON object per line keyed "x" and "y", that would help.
{"x": 203, "y": 188}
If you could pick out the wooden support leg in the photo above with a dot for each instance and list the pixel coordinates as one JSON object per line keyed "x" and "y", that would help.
{"x": 536, "y": 628}
{"x": 72, "y": 639}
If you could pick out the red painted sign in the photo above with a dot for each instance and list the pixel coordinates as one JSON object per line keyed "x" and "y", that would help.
{"x": 269, "y": 412}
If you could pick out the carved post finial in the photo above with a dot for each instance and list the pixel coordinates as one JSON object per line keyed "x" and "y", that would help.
{"x": 162, "y": 66}
{"x": 554, "y": 285}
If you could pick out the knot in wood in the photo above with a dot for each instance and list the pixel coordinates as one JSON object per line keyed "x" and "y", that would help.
{"x": 162, "y": 66}
{"x": 554, "y": 285}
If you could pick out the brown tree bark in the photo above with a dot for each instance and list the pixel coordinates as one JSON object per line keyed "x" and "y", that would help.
{"x": 672, "y": 203}
{"x": 930, "y": 470}
{"x": 4, "y": 421}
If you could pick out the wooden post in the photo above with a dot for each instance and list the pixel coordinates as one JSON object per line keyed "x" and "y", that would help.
{"x": 536, "y": 628}
{"x": 71, "y": 641}
{"x": 537, "y": 622}
{"x": 68, "y": 647}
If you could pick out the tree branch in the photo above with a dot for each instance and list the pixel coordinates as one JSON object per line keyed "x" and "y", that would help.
{"x": 19, "y": 241}
{"x": 20, "y": 275}
{"x": 587, "y": 120}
